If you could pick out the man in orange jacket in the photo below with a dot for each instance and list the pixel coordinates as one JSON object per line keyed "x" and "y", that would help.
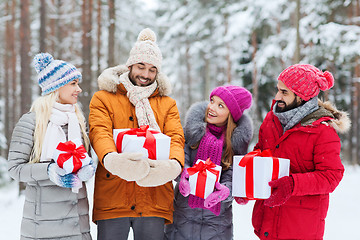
{"x": 130, "y": 190}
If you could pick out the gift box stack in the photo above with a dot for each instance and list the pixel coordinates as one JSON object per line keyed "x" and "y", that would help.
{"x": 153, "y": 144}
{"x": 202, "y": 177}
{"x": 253, "y": 172}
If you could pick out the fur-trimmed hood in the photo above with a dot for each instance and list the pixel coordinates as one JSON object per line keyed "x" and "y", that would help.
{"x": 109, "y": 79}
{"x": 195, "y": 127}
{"x": 340, "y": 120}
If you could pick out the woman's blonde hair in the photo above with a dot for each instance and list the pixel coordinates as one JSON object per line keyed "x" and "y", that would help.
{"x": 228, "y": 153}
{"x": 42, "y": 107}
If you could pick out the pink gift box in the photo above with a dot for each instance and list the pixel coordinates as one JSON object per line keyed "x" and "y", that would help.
{"x": 251, "y": 180}
{"x": 202, "y": 178}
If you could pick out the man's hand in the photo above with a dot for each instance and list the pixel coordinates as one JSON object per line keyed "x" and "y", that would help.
{"x": 282, "y": 189}
{"x": 161, "y": 172}
{"x": 128, "y": 166}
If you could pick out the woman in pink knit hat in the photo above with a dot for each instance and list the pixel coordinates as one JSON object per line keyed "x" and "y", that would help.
{"x": 217, "y": 130}
{"x": 303, "y": 129}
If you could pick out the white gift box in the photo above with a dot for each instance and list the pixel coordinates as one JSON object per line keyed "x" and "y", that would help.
{"x": 69, "y": 165}
{"x": 134, "y": 143}
{"x": 202, "y": 186}
{"x": 263, "y": 168}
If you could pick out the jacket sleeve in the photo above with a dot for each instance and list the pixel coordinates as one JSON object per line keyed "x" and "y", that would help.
{"x": 19, "y": 152}
{"x": 101, "y": 127}
{"x": 328, "y": 167}
{"x": 173, "y": 129}
{"x": 226, "y": 179}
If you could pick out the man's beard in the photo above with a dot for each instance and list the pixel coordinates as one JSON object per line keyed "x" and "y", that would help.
{"x": 132, "y": 78}
{"x": 292, "y": 105}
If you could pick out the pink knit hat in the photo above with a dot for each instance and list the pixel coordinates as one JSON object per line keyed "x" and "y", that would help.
{"x": 306, "y": 81}
{"x": 237, "y": 99}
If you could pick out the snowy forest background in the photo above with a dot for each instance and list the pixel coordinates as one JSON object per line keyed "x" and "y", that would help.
{"x": 205, "y": 43}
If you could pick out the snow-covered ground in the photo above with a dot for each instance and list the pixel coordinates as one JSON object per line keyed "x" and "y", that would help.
{"x": 342, "y": 221}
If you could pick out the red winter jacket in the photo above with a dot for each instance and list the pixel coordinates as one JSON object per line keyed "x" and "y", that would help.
{"x": 313, "y": 148}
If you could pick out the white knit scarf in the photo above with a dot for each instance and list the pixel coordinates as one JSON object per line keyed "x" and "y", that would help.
{"x": 138, "y": 96}
{"x": 61, "y": 115}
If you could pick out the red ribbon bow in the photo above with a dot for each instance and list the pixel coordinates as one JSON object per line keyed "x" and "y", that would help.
{"x": 248, "y": 162}
{"x": 201, "y": 168}
{"x": 142, "y": 131}
{"x": 71, "y": 151}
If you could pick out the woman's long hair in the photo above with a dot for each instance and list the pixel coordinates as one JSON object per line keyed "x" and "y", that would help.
{"x": 228, "y": 152}
{"x": 42, "y": 107}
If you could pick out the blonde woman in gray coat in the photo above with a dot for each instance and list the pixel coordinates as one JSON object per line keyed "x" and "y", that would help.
{"x": 56, "y": 204}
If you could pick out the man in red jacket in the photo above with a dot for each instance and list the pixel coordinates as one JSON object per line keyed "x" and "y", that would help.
{"x": 303, "y": 129}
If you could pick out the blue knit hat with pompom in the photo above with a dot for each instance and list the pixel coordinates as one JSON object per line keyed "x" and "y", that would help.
{"x": 53, "y": 74}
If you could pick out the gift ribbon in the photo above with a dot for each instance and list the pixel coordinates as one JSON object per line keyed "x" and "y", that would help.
{"x": 201, "y": 168}
{"x": 142, "y": 131}
{"x": 71, "y": 151}
{"x": 248, "y": 162}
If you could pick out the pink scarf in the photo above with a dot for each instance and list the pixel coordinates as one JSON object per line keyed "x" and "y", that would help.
{"x": 211, "y": 146}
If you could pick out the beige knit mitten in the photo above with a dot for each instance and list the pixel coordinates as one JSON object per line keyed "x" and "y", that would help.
{"x": 161, "y": 172}
{"x": 128, "y": 166}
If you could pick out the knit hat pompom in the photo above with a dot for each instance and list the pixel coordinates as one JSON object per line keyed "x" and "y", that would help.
{"x": 41, "y": 60}
{"x": 326, "y": 81}
{"x": 53, "y": 74}
{"x": 237, "y": 99}
{"x": 306, "y": 80}
{"x": 146, "y": 35}
{"x": 145, "y": 50}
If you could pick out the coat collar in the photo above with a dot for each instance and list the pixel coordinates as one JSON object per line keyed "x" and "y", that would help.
{"x": 328, "y": 114}
{"x": 109, "y": 80}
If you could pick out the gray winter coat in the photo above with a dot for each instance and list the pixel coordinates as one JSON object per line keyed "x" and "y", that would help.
{"x": 50, "y": 211}
{"x": 196, "y": 224}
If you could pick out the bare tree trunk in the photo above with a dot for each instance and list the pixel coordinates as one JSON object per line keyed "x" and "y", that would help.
{"x": 12, "y": 48}
{"x": 357, "y": 133}
{"x": 24, "y": 56}
{"x": 188, "y": 75}
{"x": 42, "y": 35}
{"x": 356, "y": 120}
{"x": 86, "y": 55}
{"x": 228, "y": 58}
{"x": 111, "y": 43}
{"x": 205, "y": 75}
{"x": 25, "y": 74}
{"x": 278, "y": 30}
{"x": 354, "y": 116}
{"x": 98, "y": 47}
{"x": 53, "y": 32}
{"x": 297, "y": 46}
{"x": 6, "y": 86}
{"x": 255, "y": 112}
{"x": 58, "y": 31}
{"x": 72, "y": 29}
{"x": 352, "y": 93}
{"x": 254, "y": 77}
{"x": 355, "y": 113}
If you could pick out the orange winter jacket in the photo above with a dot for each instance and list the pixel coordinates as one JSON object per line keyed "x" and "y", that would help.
{"x": 111, "y": 109}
